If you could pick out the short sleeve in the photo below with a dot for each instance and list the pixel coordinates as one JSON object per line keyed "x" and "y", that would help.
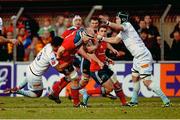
{"x": 125, "y": 26}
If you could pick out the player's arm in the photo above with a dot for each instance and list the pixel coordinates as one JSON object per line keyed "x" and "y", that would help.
{"x": 84, "y": 53}
{"x": 91, "y": 46}
{"x": 113, "y": 40}
{"x": 114, "y": 26}
{"x": 60, "y": 67}
{"x": 94, "y": 58}
{"x": 109, "y": 46}
{"x": 60, "y": 51}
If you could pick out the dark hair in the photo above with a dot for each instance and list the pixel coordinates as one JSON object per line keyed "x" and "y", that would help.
{"x": 123, "y": 15}
{"x": 57, "y": 41}
{"x": 95, "y": 18}
{"x": 102, "y": 26}
{"x": 145, "y": 31}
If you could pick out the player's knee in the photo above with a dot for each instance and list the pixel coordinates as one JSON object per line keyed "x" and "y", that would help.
{"x": 147, "y": 83}
{"x": 108, "y": 90}
{"x": 37, "y": 93}
{"x": 114, "y": 78}
{"x": 85, "y": 77}
{"x": 117, "y": 86}
{"x": 135, "y": 76}
{"x": 83, "y": 83}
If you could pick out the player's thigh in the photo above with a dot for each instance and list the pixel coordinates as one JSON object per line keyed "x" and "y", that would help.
{"x": 35, "y": 82}
{"x": 85, "y": 66}
{"x": 145, "y": 68}
{"x": 102, "y": 75}
{"x": 135, "y": 70}
{"x": 108, "y": 85}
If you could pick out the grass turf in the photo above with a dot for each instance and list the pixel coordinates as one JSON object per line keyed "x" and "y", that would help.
{"x": 100, "y": 108}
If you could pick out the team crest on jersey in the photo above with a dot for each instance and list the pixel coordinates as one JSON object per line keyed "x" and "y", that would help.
{"x": 53, "y": 61}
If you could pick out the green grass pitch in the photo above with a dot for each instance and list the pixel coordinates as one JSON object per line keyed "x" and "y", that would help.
{"x": 100, "y": 108}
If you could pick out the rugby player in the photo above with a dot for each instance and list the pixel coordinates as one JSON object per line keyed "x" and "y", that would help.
{"x": 142, "y": 62}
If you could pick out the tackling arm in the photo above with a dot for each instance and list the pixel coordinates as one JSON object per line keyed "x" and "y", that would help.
{"x": 60, "y": 67}
{"x": 83, "y": 53}
{"x": 60, "y": 51}
{"x": 115, "y": 26}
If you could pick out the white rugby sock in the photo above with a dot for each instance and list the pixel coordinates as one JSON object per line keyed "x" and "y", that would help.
{"x": 156, "y": 89}
{"x": 136, "y": 88}
{"x": 27, "y": 93}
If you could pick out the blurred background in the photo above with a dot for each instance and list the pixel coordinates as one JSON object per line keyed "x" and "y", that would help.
{"x": 31, "y": 24}
{"x": 35, "y": 22}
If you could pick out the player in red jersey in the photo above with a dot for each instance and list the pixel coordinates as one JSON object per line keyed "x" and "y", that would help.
{"x": 77, "y": 23}
{"x": 65, "y": 53}
{"x": 101, "y": 72}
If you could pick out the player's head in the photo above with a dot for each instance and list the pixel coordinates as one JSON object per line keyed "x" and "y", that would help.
{"x": 102, "y": 30}
{"x": 123, "y": 16}
{"x": 77, "y": 21}
{"x": 56, "y": 42}
{"x": 87, "y": 34}
{"x": 94, "y": 23}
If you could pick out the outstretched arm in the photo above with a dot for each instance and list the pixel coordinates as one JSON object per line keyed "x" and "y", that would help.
{"x": 113, "y": 40}
{"x": 115, "y": 26}
{"x": 94, "y": 57}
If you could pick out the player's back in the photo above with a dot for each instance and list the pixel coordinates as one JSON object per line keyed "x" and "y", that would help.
{"x": 41, "y": 62}
{"x": 132, "y": 40}
{"x": 69, "y": 31}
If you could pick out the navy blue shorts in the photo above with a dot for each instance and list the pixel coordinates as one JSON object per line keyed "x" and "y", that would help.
{"x": 102, "y": 75}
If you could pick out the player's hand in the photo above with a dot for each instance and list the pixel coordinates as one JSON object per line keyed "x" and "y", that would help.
{"x": 110, "y": 61}
{"x": 103, "y": 20}
{"x": 15, "y": 89}
{"x": 100, "y": 38}
{"x": 101, "y": 64}
{"x": 63, "y": 66}
{"x": 7, "y": 91}
{"x": 115, "y": 52}
{"x": 120, "y": 53}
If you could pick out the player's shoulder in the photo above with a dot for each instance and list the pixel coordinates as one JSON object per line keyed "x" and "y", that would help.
{"x": 126, "y": 23}
{"x": 71, "y": 28}
{"x": 48, "y": 48}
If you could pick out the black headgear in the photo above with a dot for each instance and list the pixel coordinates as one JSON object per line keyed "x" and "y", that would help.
{"x": 123, "y": 16}
{"x": 57, "y": 41}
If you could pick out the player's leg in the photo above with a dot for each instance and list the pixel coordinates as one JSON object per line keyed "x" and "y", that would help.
{"x": 29, "y": 93}
{"x": 22, "y": 84}
{"x": 136, "y": 88}
{"x": 118, "y": 89}
{"x": 145, "y": 75}
{"x": 102, "y": 77}
{"x": 156, "y": 89}
{"x": 35, "y": 85}
{"x": 136, "y": 83}
{"x": 75, "y": 88}
{"x": 85, "y": 72}
{"x": 59, "y": 85}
